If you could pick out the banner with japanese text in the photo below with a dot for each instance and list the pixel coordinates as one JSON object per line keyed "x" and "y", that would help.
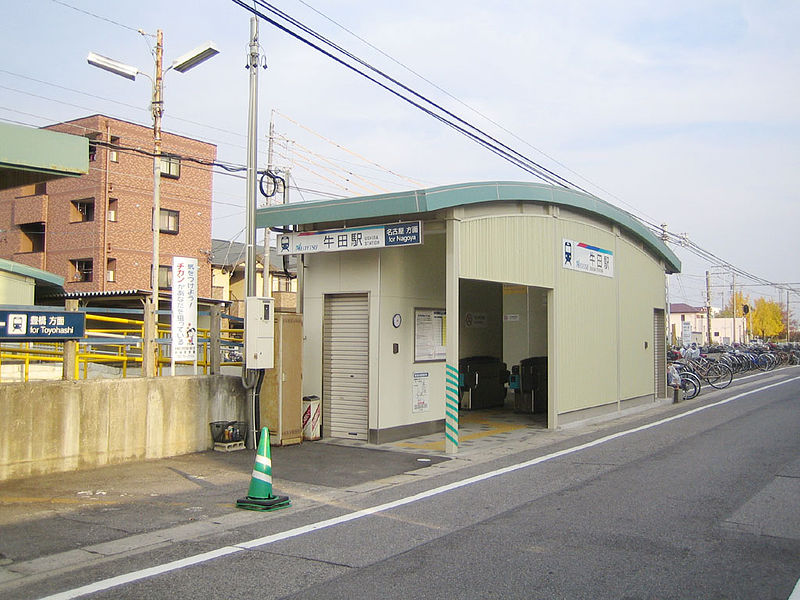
{"x": 184, "y": 309}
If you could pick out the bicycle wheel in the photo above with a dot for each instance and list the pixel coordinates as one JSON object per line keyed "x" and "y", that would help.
{"x": 719, "y": 376}
{"x": 690, "y": 387}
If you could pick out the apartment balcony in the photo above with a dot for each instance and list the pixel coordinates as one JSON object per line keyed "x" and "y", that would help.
{"x": 31, "y": 259}
{"x": 30, "y": 209}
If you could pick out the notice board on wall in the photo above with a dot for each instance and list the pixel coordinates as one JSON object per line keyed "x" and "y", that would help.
{"x": 430, "y": 334}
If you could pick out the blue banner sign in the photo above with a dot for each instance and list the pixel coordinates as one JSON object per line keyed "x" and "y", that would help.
{"x": 23, "y": 325}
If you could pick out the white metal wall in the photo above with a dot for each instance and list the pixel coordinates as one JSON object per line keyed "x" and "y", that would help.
{"x": 345, "y": 366}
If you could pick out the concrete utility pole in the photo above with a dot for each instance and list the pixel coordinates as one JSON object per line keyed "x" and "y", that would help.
{"x": 252, "y": 159}
{"x": 250, "y": 376}
{"x": 150, "y": 357}
{"x": 708, "y": 306}
{"x": 265, "y": 279}
{"x": 787, "y": 316}
{"x": 733, "y": 303}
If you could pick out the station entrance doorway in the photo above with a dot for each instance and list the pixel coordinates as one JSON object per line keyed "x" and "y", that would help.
{"x": 503, "y": 350}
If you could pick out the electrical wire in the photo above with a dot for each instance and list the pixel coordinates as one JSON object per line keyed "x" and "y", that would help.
{"x": 444, "y": 116}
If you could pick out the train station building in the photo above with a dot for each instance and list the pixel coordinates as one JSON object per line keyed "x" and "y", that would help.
{"x": 420, "y": 305}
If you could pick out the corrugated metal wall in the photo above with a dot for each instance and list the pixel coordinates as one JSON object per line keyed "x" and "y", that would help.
{"x": 602, "y": 331}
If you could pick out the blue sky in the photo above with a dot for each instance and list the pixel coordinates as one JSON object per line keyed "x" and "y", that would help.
{"x": 685, "y": 113}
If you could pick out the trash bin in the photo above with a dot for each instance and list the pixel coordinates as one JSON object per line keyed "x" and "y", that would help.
{"x": 531, "y": 397}
{"x": 312, "y": 409}
{"x": 483, "y": 381}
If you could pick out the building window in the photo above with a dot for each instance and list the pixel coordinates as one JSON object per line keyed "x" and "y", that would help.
{"x": 92, "y": 151}
{"x": 113, "y": 207}
{"x": 164, "y": 277}
{"x": 683, "y": 318}
{"x": 113, "y": 155}
{"x": 82, "y": 210}
{"x": 169, "y": 221}
{"x": 83, "y": 268}
{"x": 32, "y": 239}
{"x": 111, "y": 269}
{"x": 170, "y": 166}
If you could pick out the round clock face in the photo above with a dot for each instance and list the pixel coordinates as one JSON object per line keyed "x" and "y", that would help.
{"x": 396, "y": 320}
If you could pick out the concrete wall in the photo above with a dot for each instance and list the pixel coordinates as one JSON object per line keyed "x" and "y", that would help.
{"x": 58, "y": 426}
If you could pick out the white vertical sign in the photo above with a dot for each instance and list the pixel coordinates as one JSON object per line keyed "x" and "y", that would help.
{"x": 184, "y": 309}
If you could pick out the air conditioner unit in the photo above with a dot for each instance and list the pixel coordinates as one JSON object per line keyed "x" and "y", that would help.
{"x": 112, "y": 215}
{"x": 112, "y": 156}
{"x": 110, "y": 275}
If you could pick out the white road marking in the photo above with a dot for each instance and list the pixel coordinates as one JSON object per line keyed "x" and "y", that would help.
{"x": 197, "y": 559}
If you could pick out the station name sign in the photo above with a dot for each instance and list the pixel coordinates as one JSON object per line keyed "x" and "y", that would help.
{"x": 351, "y": 238}
{"x": 21, "y": 325}
{"x": 580, "y": 256}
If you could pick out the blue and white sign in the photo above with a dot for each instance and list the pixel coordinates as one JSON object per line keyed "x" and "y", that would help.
{"x": 351, "y": 238}
{"x": 580, "y": 256}
{"x": 21, "y": 325}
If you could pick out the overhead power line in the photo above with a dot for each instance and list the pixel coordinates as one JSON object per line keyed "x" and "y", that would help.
{"x": 315, "y": 40}
{"x": 290, "y": 25}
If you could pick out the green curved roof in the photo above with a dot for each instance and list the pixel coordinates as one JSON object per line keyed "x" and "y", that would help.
{"x": 449, "y": 196}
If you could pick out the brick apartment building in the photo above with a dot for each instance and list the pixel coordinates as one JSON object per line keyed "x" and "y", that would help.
{"x": 96, "y": 230}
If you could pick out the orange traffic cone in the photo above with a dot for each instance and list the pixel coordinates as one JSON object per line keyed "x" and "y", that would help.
{"x": 259, "y": 496}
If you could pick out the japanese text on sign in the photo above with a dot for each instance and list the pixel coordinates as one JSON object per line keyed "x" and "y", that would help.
{"x": 580, "y": 256}
{"x": 352, "y": 238}
{"x": 184, "y": 308}
{"x": 430, "y": 334}
{"x": 30, "y": 325}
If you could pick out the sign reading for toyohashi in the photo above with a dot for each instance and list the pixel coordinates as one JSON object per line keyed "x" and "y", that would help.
{"x": 351, "y": 238}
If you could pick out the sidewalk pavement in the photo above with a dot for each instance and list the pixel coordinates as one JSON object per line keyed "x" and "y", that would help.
{"x": 50, "y": 522}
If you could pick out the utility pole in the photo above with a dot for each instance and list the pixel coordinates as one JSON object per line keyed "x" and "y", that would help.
{"x": 252, "y": 159}
{"x": 150, "y": 357}
{"x": 265, "y": 282}
{"x": 708, "y": 306}
{"x": 787, "y": 316}
{"x": 733, "y": 303}
{"x": 250, "y": 376}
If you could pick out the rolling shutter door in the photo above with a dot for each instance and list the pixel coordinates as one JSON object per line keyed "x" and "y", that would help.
{"x": 660, "y": 353}
{"x": 345, "y": 366}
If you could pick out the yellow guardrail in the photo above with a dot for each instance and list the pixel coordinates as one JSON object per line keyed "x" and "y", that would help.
{"x": 100, "y": 347}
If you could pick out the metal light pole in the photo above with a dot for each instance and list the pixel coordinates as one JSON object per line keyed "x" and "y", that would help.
{"x": 181, "y": 64}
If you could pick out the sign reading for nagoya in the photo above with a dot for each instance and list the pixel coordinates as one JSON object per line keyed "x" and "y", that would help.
{"x": 41, "y": 325}
{"x": 351, "y": 238}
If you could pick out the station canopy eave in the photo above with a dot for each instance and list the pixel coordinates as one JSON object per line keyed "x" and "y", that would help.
{"x": 450, "y": 196}
{"x": 29, "y": 155}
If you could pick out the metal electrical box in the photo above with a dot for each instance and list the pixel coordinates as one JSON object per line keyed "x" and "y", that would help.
{"x": 259, "y": 333}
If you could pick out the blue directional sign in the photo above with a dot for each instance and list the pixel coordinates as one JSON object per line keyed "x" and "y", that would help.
{"x": 23, "y": 325}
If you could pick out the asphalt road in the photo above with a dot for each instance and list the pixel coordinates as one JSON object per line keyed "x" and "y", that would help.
{"x": 702, "y": 505}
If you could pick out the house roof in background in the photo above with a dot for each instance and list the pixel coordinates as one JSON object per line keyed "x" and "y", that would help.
{"x": 680, "y": 307}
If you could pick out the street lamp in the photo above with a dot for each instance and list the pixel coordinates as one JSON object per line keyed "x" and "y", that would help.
{"x": 182, "y": 64}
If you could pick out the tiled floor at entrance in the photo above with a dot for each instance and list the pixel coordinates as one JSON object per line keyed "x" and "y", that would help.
{"x": 484, "y": 427}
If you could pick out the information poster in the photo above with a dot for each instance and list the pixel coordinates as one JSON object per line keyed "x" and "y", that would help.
{"x": 430, "y": 328}
{"x": 420, "y": 393}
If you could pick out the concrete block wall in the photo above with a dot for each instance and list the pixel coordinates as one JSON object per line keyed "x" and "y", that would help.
{"x": 57, "y": 426}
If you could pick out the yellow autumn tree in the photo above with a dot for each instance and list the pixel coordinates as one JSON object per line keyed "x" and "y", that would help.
{"x": 767, "y": 319}
{"x": 741, "y": 300}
